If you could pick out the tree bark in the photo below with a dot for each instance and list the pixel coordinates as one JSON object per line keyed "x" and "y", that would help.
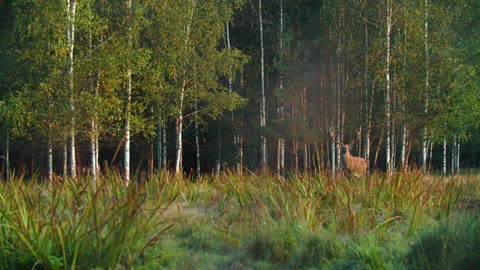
{"x": 159, "y": 144}
{"x": 403, "y": 151}
{"x": 129, "y": 98}
{"x": 65, "y": 159}
{"x": 179, "y": 132}
{"x": 263, "y": 116}
{"x": 236, "y": 138}
{"x": 388, "y": 102}
{"x": 50, "y": 158}
{"x": 281, "y": 140}
{"x": 71, "y": 9}
{"x": 197, "y": 140}
{"x": 179, "y": 116}
{"x": 444, "y": 163}
{"x": 427, "y": 89}
{"x": 93, "y": 125}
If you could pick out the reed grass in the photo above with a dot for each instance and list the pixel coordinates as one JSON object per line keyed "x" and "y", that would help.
{"x": 256, "y": 221}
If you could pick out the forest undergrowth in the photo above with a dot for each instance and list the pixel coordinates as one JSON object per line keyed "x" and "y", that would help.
{"x": 254, "y": 221}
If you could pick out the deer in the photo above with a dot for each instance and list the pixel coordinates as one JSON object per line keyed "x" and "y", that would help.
{"x": 356, "y": 166}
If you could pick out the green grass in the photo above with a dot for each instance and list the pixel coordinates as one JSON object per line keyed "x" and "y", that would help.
{"x": 406, "y": 221}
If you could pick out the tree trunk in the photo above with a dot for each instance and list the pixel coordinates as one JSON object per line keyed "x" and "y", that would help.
{"x": 71, "y": 9}
{"x": 455, "y": 156}
{"x": 338, "y": 108}
{"x": 281, "y": 140}
{"x": 129, "y": 98}
{"x": 368, "y": 143}
{"x": 93, "y": 150}
{"x": 164, "y": 145}
{"x": 427, "y": 89}
{"x": 151, "y": 158}
{"x": 179, "y": 132}
{"x": 263, "y": 116}
{"x": 93, "y": 128}
{"x": 444, "y": 163}
{"x": 159, "y": 144}
{"x": 333, "y": 148}
{"x": 218, "y": 162}
{"x": 236, "y": 136}
{"x": 388, "y": 102}
{"x": 304, "y": 112}
{"x": 403, "y": 143}
{"x": 179, "y": 117}
{"x": 50, "y": 158}
{"x": 65, "y": 159}
{"x": 368, "y": 102}
{"x": 197, "y": 140}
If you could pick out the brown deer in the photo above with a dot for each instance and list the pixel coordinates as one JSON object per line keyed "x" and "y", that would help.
{"x": 354, "y": 165}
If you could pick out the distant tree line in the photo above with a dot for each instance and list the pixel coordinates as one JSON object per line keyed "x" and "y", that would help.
{"x": 207, "y": 86}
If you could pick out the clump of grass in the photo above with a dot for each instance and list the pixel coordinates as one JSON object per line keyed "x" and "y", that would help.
{"x": 76, "y": 224}
{"x": 453, "y": 244}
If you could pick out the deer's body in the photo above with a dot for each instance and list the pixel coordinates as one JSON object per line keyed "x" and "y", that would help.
{"x": 354, "y": 165}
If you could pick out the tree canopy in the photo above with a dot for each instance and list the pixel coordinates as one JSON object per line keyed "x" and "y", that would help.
{"x": 400, "y": 77}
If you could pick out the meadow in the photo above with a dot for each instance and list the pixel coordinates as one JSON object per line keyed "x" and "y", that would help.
{"x": 254, "y": 221}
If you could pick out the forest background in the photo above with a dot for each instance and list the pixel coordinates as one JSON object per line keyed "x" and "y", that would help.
{"x": 205, "y": 86}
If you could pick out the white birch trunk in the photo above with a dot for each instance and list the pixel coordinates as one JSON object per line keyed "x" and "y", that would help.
{"x": 368, "y": 143}
{"x": 263, "y": 116}
{"x": 403, "y": 143}
{"x": 304, "y": 111}
{"x": 50, "y": 158}
{"x": 457, "y": 161}
{"x": 97, "y": 150}
{"x": 338, "y": 136}
{"x": 197, "y": 140}
{"x": 444, "y": 164}
{"x": 388, "y": 102}
{"x": 93, "y": 130}
{"x": 367, "y": 110}
{"x": 71, "y": 9}
{"x": 452, "y": 163}
{"x": 455, "y": 166}
{"x": 179, "y": 132}
{"x": 218, "y": 162}
{"x": 427, "y": 88}
{"x": 179, "y": 117}
{"x": 236, "y": 136}
{"x": 129, "y": 99}
{"x": 93, "y": 154}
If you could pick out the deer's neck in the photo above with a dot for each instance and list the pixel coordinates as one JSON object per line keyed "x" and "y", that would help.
{"x": 346, "y": 158}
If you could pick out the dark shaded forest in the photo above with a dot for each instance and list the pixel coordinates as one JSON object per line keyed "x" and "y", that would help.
{"x": 211, "y": 86}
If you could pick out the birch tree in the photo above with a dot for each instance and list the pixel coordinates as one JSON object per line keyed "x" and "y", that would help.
{"x": 388, "y": 100}
{"x": 263, "y": 112}
{"x": 426, "y": 91}
{"x": 71, "y": 7}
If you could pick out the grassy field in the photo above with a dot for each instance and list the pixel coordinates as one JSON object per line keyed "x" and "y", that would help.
{"x": 406, "y": 221}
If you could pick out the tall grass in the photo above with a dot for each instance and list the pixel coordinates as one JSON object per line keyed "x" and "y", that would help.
{"x": 235, "y": 222}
